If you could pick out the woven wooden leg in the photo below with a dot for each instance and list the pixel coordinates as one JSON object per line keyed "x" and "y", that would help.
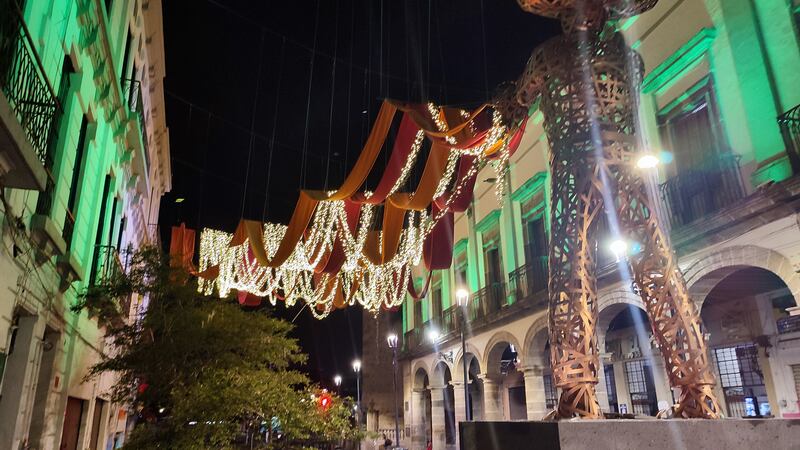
{"x": 575, "y": 205}
{"x": 673, "y": 316}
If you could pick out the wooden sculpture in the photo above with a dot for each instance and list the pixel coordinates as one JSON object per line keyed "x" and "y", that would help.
{"x": 586, "y": 81}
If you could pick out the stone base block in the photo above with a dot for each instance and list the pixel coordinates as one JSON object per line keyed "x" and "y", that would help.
{"x": 745, "y": 434}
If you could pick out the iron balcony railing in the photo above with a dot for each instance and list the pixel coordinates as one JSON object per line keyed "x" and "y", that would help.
{"x": 788, "y": 324}
{"x": 106, "y": 266}
{"x": 23, "y": 81}
{"x": 132, "y": 91}
{"x": 789, "y": 123}
{"x": 529, "y": 279}
{"x": 697, "y": 192}
{"x": 487, "y": 301}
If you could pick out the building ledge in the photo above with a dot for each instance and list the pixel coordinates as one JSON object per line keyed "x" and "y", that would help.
{"x": 69, "y": 269}
{"x": 20, "y": 167}
{"x": 47, "y": 238}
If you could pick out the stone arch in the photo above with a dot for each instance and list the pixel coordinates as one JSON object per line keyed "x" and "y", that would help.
{"x": 535, "y": 342}
{"x": 494, "y": 351}
{"x": 420, "y": 375}
{"x": 442, "y": 374}
{"x": 609, "y": 304}
{"x": 472, "y": 353}
{"x": 703, "y": 274}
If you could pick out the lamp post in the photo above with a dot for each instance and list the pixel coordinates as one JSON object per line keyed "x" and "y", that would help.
{"x": 462, "y": 295}
{"x": 357, "y": 370}
{"x": 337, "y": 380}
{"x": 392, "y": 341}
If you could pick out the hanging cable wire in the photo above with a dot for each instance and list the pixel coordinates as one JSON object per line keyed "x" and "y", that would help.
{"x": 205, "y": 160}
{"x": 274, "y": 130}
{"x": 333, "y": 95}
{"x": 485, "y": 61}
{"x": 303, "y": 163}
{"x": 349, "y": 88}
{"x": 253, "y": 122}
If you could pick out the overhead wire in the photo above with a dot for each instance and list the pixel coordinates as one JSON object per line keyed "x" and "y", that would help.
{"x": 274, "y": 130}
{"x": 304, "y": 163}
{"x": 333, "y": 97}
{"x": 253, "y": 122}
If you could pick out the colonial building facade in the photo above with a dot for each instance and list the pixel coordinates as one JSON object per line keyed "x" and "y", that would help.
{"x": 84, "y": 161}
{"x": 719, "y": 106}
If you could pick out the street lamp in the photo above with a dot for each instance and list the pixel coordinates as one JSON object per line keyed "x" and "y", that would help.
{"x": 357, "y": 370}
{"x": 337, "y": 380}
{"x": 392, "y": 341}
{"x": 462, "y": 296}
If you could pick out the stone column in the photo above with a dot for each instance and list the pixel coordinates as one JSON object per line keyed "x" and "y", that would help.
{"x": 492, "y": 406}
{"x": 602, "y": 388}
{"x": 437, "y": 418}
{"x": 534, "y": 392}
{"x": 460, "y": 406}
{"x": 419, "y": 432}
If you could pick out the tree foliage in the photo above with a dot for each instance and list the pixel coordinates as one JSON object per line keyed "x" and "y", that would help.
{"x": 197, "y": 369}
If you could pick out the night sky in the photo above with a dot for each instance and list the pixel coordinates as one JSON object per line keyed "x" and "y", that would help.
{"x": 446, "y": 51}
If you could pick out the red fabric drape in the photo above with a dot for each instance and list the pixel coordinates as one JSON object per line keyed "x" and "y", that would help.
{"x": 181, "y": 247}
{"x": 406, "y": 134}
{"x": 438, "y": 246}
{"x": 412, "y": 291}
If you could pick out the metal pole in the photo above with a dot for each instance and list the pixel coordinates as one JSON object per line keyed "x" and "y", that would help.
{"x": 396, "y": 411}
{"x": 358, "y": 396}
{"x": 466, "y": 375}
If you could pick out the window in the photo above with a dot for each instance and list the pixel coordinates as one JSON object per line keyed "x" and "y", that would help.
{"x": 692, "y": 129}
{"x": 550, "y": 393}
{"x": 641, "y": 387}
{"x": 611, "y": 387}
{"x": 98, "y": 241}
{"x": 436, "y": 299}
{"x": 535, "y": 239}
{"x": 74, "y": 187}
{"x": 121, "y": 232}
{"x": 418, "y": 313}
{"x": 742, "y": 381}
{"x": 125, "y": 58}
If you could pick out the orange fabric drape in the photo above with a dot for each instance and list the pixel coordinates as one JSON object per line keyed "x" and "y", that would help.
{"x": 252, "y": 230}
{"x": 429, "y": 181}
{"x": 393, "y": 219}
{"x": 366, "y": 159}
{"x": 425, "y": 123}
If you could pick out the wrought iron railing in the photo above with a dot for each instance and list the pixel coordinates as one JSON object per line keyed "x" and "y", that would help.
{"x": 23, "y": 80}
{"x": 487, "y": 301}
{"x": 529, "y": 279}
{"x": 788, "y": 324}
{"x": 703, "y": 190}
{"x": 449, "y": 320}
{"x": 44, "y": 203}
{"x": 413, "y": 338}
{"x": 106, "y": 266}
{"x": 789, "y": 123}
{"x": 132, "y": 91}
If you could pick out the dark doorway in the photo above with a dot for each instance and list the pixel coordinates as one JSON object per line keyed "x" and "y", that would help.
{"x": 72, "y": 424}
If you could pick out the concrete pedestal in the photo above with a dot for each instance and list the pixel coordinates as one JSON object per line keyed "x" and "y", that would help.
{"x": 745, "y": 434}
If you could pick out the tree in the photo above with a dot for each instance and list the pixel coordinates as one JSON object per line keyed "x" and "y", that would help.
{"x": 199, "y": 370}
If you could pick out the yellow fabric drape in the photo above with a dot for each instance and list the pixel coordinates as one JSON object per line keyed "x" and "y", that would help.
{"x": 366, "y": 159}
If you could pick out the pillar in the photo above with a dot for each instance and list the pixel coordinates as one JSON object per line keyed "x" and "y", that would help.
{"x": 460, "y": 406}
{"x": 602, "y": 388}
{"x": 419, "y": 432}
{"x": 534, "y": 392}
{"x": 492, "y": 405}
{"x": 437, "y": 417}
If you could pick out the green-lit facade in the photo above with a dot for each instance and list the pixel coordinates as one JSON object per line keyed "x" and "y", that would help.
{"x": 718, "y": 102}
{"x": 84, "y": 161}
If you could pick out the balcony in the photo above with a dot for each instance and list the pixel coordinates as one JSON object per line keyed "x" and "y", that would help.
{"x": 29, "y": 108}
{"x": 132, "y": 93}
{"x": 487, "y": 301}
{"x": 528, "y": 280}
{"x": 789, "y": 123}
{"x": 788, "y": 324}
{"x": 700, "y": 191}
{"x": 107, "y": 265}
